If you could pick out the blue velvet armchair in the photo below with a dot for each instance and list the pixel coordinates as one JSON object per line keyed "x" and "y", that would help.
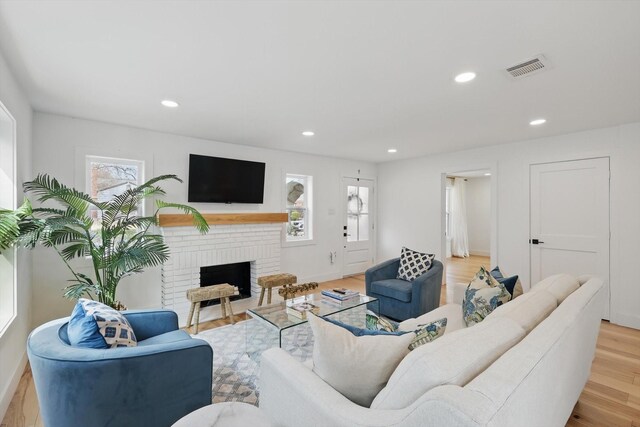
{"x": 399, "y": 299}
{"x": 165, "y": 377}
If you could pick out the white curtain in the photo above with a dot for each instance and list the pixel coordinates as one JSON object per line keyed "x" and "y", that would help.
{"x": 459, "y": 237}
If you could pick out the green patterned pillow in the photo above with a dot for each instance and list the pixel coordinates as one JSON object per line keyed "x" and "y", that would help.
{"x": 429, "y": 332}
{"x": 377, "y": 323}
{"x": 483, "y": 295}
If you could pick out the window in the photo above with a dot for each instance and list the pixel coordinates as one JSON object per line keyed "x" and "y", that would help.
{"x": 7, "y": 201}
{"x": 358, "y": 219}
{"x": 298, "y": 190}
{"x": 109, "y": 177}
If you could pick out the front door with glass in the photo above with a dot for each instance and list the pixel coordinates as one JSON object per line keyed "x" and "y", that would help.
{"x": 358, "y": 225}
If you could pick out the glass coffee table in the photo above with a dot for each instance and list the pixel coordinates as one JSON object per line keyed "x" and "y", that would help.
{"x": 277, "y": 320}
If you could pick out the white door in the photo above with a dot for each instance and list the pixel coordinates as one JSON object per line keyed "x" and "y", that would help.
{"x": 358, "y": 225}
{"x": 570, "y": 219}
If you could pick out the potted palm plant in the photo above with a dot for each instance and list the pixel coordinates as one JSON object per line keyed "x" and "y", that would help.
{"x": 116, "y": 238}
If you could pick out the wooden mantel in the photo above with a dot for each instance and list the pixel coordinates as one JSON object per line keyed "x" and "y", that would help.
{"x": 184, "y": 220}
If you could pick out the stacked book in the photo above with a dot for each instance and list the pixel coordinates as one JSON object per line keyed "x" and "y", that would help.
{"x": 300, "y": 309}
{"x": 340, "y": 294}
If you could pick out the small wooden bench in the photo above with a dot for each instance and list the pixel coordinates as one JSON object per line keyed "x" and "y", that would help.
{"x": 205, "y": 293}
{"x": 273, "y": 281}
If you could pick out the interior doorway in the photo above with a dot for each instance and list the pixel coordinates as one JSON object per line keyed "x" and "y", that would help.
{"x": 467, "y": 231}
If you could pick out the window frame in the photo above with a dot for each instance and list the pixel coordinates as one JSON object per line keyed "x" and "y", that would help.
{"x": 89, "y": 158}
{"x": 309, "y": 238}
{"x": 8, "y": 289}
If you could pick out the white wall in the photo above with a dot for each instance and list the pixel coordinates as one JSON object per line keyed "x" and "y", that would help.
{"x": 61, "y": 142}
{"x": 415, "y": 185}
{"x": 478, "y": 195}
{"x": 12, "y": 343}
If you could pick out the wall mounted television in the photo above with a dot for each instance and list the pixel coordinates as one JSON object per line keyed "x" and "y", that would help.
{"x": 220, "y": 180}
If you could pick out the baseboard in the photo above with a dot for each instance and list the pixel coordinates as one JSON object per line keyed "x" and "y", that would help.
{"x": 479, "y": 253}
{"x": 627, "y": 320}
{"x": 10, "y": 390}
{"x": 320, "y": 278}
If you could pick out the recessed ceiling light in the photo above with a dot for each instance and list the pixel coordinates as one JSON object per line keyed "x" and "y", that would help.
{"x": 169, "y": 103}
{"x": 308, "y": 133}
{"x": 392, "y": 150}
{"x": 537, "y": 122}
{"x": 487, "y": 174}
{"x": 465, "y": 77}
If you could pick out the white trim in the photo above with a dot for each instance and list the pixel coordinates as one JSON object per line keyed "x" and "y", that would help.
{"x": 12, "y": 386}
{"x": 13, "y": 258}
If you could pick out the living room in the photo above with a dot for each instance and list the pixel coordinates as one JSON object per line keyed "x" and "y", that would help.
{"x": 345, "y": 95}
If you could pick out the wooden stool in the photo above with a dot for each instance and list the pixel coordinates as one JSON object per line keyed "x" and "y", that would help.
{"x": 273, "y": 281}
{"x": 197, "y": 295}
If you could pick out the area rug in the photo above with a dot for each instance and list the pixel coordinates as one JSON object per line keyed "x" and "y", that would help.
{"x": 236, "y": 356}
{"x": 237, "y": 350}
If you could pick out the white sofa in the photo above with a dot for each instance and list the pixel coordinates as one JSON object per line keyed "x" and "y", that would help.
{"x": 524, "y": 365}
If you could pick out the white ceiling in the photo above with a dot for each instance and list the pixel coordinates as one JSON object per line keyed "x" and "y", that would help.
{"x": 364, "y": 75}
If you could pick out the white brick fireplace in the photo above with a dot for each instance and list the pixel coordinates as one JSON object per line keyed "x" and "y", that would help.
{"x": 223, "y": 244}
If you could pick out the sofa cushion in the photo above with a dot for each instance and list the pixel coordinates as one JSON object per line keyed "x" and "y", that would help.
{"x": 393, "y": 288}
{"x": 455, "y": 359}
{"x": 413, "y": 264}
{"x": 528, "y": 310}
{"x": 96, "y": 325}
{"x": 559, "y": 285}
{"x": 166, "y": 338}
{"x": 483, "y": 295}
{"x": 370, "y": 362}
{"x": 453, "y": 313}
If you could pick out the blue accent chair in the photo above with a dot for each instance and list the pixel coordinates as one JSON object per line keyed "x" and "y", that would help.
{"x": 167, "y": 376}
{"x": 399, "y": 299}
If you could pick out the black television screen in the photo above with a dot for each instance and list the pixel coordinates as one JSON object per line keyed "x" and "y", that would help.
{"x": 219, "y": 180}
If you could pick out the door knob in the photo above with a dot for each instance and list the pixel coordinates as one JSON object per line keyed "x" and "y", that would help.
{"x": 535, "y": 241}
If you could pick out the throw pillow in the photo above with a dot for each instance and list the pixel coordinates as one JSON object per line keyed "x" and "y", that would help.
{"x": 413, "y": 264}
{"x": 429, "y": 332}
{"x": 377, "y": 323}
{"x": 358, "y": 367}
{"x": 483, "y": 295}
{"x": 96, "y": 325}
{"x": 512, "y": 283}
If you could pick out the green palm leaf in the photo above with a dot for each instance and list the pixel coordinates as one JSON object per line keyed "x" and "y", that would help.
{"x": 122, "y": 243}
{"x": 198, "y": 220}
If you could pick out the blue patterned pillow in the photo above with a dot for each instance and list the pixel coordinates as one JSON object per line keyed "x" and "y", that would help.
{"x": 377, "y": 323}
{"x": 429, "y": 332}
{"x": 360, "y": 332}
{"x": 96, "y": 325}
{"x": 512, "y": 283}
{"x": 483, "y": 295}
{"x": 413, "y": 264}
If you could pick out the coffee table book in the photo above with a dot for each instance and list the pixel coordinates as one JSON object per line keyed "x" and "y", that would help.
{"x": 300, "y": 309}
{"x": 340, "y": 296}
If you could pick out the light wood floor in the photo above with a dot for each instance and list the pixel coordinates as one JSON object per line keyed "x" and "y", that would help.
{"x": 610, "y": 398}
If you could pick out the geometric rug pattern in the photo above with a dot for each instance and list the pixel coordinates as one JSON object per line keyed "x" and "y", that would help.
{"x": 237, "y": 349}
{"x": 236, "y": 356}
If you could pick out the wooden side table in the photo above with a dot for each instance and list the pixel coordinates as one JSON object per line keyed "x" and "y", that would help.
{"x": 273, "y": 281}
{"x": 197, "y": 295}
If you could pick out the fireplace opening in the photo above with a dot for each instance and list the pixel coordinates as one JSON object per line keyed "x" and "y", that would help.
{"x": 237, "y": 274}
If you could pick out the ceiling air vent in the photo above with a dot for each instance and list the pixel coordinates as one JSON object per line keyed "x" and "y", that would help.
{"x": 528, "y": 68}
